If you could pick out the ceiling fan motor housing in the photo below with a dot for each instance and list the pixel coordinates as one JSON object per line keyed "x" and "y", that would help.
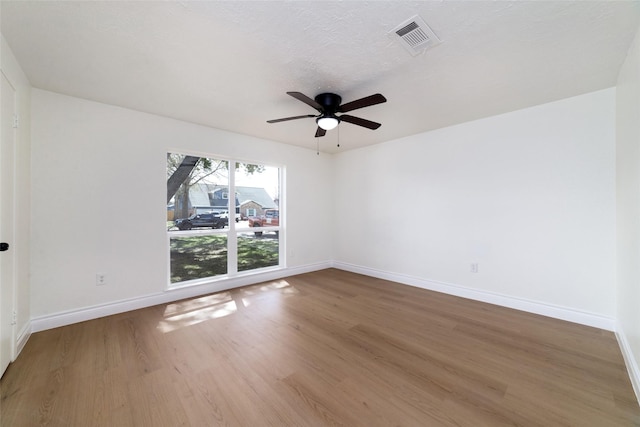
{"x": 329, "y": 101}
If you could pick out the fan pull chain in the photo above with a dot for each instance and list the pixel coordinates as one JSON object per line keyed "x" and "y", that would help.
{"x": 317, "y": 146}
{"x": 338, "y": 136}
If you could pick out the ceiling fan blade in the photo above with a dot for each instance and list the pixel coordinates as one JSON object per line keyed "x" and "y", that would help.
{"x": 304, "y": 98}
{"x": 320, "y": 132}
{"x": 290, "y": 118}
{"x": 359, "y": 121}
{"x": 362, "y": 102}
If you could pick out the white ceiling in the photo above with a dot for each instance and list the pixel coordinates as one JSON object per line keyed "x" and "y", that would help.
{"x": 228, "y": 64}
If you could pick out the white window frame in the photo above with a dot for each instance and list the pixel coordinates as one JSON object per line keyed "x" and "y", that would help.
{"x": 233, "y": 230}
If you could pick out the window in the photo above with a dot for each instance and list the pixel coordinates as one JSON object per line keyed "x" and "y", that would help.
{"x": 205, "y": 241}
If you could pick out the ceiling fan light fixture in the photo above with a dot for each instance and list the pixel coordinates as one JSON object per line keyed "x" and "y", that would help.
{"x": 327, "y": 122}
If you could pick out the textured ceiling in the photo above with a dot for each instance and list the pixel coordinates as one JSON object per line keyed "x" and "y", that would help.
{"x": 229, "y": 64}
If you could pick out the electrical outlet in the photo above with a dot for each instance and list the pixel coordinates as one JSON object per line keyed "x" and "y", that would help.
{"x": 101, "y": 279}
{"x": 474, "y": 267}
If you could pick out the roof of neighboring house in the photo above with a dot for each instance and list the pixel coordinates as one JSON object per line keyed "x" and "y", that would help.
{"x": 199, "y": 195}
{"x": 255, "y": 194}
{"x": 247, "y": 202}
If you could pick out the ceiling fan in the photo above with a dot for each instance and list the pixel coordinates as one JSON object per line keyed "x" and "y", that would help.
{"x": 328, "y": 104}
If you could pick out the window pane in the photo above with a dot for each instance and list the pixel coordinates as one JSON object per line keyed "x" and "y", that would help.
{"x": 257, "y": 251}
{"x": 196, "y": 186}
{"x": 197, "y": 257}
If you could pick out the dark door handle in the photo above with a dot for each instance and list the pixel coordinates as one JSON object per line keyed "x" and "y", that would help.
{"x": 4, "y": 246}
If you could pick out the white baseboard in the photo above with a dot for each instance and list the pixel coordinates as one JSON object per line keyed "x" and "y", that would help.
{"x": 23, "y": 337}
{"x": 549, "y": 310}
{"x": 93, "y": 312}
{"x": 56, "y": 320}
{"x": 629, "y": 360}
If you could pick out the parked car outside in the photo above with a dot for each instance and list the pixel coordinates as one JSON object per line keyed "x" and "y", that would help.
{"x": 211, "y": 219}
{"x": 271, "y": 217}
{"x": 225, "y": 214}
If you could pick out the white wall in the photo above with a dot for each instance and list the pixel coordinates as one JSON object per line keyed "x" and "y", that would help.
{"x": 628, "y": 209}
{"x": 99, "y": 199}
{"x": 21, "y": 245}
{"x": 528, "y": 195}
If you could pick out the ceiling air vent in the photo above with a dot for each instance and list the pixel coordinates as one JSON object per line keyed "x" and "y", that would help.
{"x": 415, "y": 35}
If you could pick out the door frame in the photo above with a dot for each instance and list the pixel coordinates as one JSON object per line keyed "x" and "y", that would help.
{"x": 8, "y": 172}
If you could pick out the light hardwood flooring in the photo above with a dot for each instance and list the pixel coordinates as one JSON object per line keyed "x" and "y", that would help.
{"x": 320, "y": 349}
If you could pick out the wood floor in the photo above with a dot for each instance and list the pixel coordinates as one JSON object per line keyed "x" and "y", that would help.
{"x": 320, "y": 349}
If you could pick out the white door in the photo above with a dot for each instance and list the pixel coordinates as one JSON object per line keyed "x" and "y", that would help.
{"x": 7, "y": 144}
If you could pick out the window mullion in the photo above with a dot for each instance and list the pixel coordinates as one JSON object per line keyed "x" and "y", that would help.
{"x": 232, "y": 238}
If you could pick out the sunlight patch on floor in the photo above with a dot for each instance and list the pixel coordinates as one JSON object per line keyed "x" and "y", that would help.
{"x": 190, "y": 312}
{"x": 197, "y": 310}
{"x": 257, "y": 290}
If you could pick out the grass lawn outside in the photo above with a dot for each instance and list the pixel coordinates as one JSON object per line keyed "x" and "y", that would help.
{"x": 199, "y": 257}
